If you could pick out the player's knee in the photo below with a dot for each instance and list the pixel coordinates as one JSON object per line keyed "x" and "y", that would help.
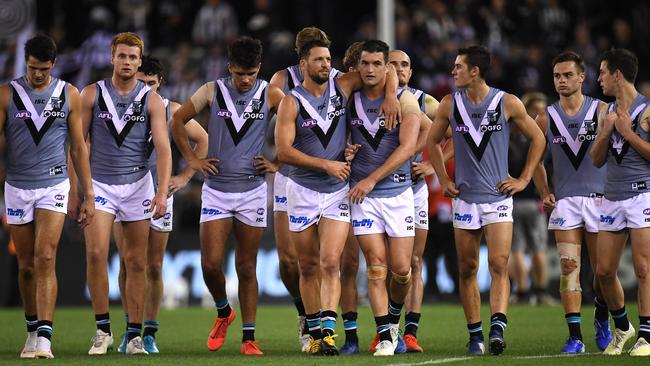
{"x": 135, "y": 265}
{"x": 569, "y": 267}
{"x": 154, "y": 271}
{"x": 498, "y": 264}
{"x": 44, "y": 262}
{"x": 246, "y": 270}
{"x": 349, "y": 270}
{"x": 467, "y": 268}
{"x": 641, "y": 270}
{"x": 95, "y": 258}
{"x": 377, "y": 272}
{"x": 309, "y": 268}
{"x": 401, "y": 278}
{"x": 26, "y": 271}
{"x": 330, "y": 265}
{"x": 287, "y": 264}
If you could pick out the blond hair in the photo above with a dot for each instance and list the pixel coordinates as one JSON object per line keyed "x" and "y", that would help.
{"x": 128, "y": 38}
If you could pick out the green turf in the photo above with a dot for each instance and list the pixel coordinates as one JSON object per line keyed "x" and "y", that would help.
{"x": 534, "y": 337}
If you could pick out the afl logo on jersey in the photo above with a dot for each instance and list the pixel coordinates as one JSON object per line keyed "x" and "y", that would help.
{"x": 146, "y": 203}
{"x": 558, "y": 140}
{"x": 23, "y": 115}
{"x": 356, "y": 122}
{"x": 308, "y": 123}
{"x": 646, "y": 211}
{"x": 104, "y": 115}
{"x": 223, "y": 113}
{"x": 462, "y": 129}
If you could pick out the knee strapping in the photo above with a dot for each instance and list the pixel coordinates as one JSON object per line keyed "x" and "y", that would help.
{"x": 377, "y": 272}
{"x": 569, "y": 267}
{"x": 401, "y": 279}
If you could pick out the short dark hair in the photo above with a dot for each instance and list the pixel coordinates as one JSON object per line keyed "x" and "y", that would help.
{"x": 623, "y": 60}
{"x": 478, "y": 56}
{"x": 245, "y": 52}
{"x": 303, "y": 52}
{"x": 570, "y": 56}
{"x": 309, "y": 34}
{"x": 352, "y": 54}
{"x": 41, "y": 47}
{"x": 374, "y": 46}
{"x": 152, "y": 66}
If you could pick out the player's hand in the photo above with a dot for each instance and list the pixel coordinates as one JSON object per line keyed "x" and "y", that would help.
{"x": 449, "y": 189}
{"x": 361, "y": 190}
{"x": 609, "y": 121}
{"x": 204, "y": 166}
{"x": 421, "y": 169}
{"x": 74, "y": 203}
{"x": 392, "y": 112}
{"x": 159, "y": 204}
{"x": 511, "y": 185}
{"x": 549, "y": 202}
{"x": 87, "y": 211}
{"x": 264, "y": 166}
{"x": 176, "y": 183}
{"x": 351, "y": 151}
{"x": 623, "y": 122}
{"x": 338, "y": 169}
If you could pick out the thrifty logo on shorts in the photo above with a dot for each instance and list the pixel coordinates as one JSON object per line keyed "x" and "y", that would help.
{"x": 463, "y": 218}
{"x": 210, "y": 211}
{"x": 363, "y": 223}
{"x": 298, "y": 219}
{"x": 17, "y": 212}
{"x": 607, "y": 219}
{"x": 559, "y": 221}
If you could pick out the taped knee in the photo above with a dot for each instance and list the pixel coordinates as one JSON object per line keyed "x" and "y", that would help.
{"x": 401, "y": 279}
{"x": 569, "y": 267}
{"x": 377, "y": 272}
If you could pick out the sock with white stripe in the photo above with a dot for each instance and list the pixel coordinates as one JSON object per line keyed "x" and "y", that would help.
{"x": 498, "y": 323}
{"x": 644, "y": 328}
{"x": 133, "y": 330}
{"x": 150, "y": 328}
{"x": 412, "y": 322}
{"x": 103, "y": 322}
{"x": 313, "y": 322}
{"x": 45, "y": 329}
{"x": 328, "y": 321}
{"x": 475, "y": 329}
{"x": 394, "y": 312}
{"x": 248, "y": 332}
{"x": 32, "y": 323}
{"x": 350, "y": 326}
{"x": 383, "y": 328}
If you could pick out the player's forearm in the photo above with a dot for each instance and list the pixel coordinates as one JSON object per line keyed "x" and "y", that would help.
{"x": 394, "y": 161}
{"x": 436, "y": 159}
{"x": 182, "y": 140}
{"x": 535, "y": 152}
{"x": 392, "y": 82}
{"x": 292, "y": 156}
{"x": 599, "y": 150}
{"x": 163, "y": 167}
{"x": 540, "y": 180}
{"x": 80, "y": 171}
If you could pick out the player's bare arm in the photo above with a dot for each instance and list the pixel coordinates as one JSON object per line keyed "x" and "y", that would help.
{"x": 160, "y": 137}
{"x": 197, "y": 134}
{"x": 436, "y": 135}
{"x": 601, "y": 143}
{"x": 623, "y": 125}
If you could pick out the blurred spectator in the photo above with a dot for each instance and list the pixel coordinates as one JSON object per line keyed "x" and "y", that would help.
{"x": 529, "y": 232}
{"x": 216, "y": 21}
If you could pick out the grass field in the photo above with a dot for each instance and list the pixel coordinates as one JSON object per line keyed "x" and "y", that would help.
{"x": 534, "y": 337}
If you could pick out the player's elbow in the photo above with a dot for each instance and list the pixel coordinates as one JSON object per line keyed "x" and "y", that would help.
{"x": 283, "y": 154}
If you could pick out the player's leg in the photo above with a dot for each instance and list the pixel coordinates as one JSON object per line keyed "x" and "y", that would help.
{"x": 349, "y": 294}
{"x": 136, "y": 239}
{"x": 610, "y": 249}
{"x": 641, "y": 258}
{"x": 97, "y": 235}
{"x": 153, "y": 295}
{"x": 213, "y": 235}
{"x": 375, "y": 253}
{"x": 467, "y": 249}
{"x": 498, "y": 237}
{"x": 118, "y": 238}
{"x": 23, "y": 238}
{"x": 413, "y": 300}
{"x": 601, "y": 311}
{"x": 248, "y": 242}
{"x": 569, "y": 244}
